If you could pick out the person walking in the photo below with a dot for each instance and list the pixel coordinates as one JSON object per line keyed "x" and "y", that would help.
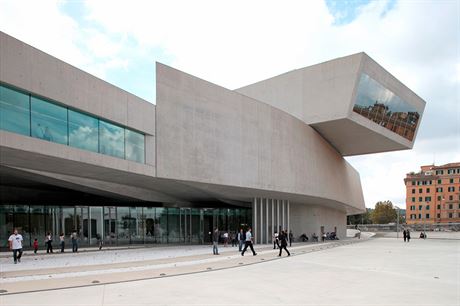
{"x": 275, "y": 240}
{"x": 283, "y": 241}
{"x": 248, "y": 243}
{"x": 233, "y": 238}
{"x": 291, "y": 237}
{"x": 241, "y": 240}
{"x": 49, "y": 243}
{"x": 99, "y": 241}
{"x": 225, "y": 239}
{"x": 35, "y": 246}
{"x": 408, "y": 235}
{"x": 404, "y": 235}
{"x": 62, "y": 242}
{"x": 74, "y": 238}
{"x": 215, "y": 241}
{"x": 15, "y": 244}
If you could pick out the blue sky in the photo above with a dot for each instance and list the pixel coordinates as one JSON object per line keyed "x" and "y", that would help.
{"x": 238, "y": 42}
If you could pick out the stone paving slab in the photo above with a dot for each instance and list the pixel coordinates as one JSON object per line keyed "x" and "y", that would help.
{"x": 14, "y": 282}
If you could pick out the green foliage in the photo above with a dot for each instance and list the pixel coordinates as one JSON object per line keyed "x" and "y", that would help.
{"x": 360, "y": 219}
{"x": 383, "y": 213}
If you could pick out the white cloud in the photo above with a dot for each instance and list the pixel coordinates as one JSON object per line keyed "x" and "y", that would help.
{"x": 239, "y": 42}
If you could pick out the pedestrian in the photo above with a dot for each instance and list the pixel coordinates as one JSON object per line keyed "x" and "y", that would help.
{"x": 404, "y": 235}
{"x": 215, "y": 241}
{"x": 74, "y": 238}
{"x": 49, "y": 243}
{"x": 35, "y": 245}
{"x": 283, "y": 241}
{"x": 99, "y": 241}
{"x": 248, "y": 243}
{"x": 291, "y": 237}
{"x": 15, "y": 244}
{"x": 275, "y": 240}
{"x": 323, "y": 237}
{"x": 241, "y": 240}
{"x": 62, "y": 242}
{"x": 233, "y": 237}
{"x": 408, "y": 235}
{"x": 225, "y": 239}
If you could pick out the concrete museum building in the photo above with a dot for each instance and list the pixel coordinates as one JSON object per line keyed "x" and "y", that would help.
{"x": 77, "y": 153}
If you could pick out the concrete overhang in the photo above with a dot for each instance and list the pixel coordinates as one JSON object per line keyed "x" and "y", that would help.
{"x": 325, "y": 96}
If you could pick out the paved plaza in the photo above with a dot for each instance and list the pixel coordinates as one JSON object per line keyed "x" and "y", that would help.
{"x": 375, "y": 271}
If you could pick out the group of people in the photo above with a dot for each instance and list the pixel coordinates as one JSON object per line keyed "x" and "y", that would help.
{"x": 15, "y": 243}
{"x": 406, "y": 235}
{"x": 243, "y": 238}
{"x": 276, "y": 238}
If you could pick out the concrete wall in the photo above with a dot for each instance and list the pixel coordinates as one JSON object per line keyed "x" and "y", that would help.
{"x": 313, "y": 94}
{"x": 208, "y": 134}
{"x": 308, "y": 219}
{"x": 323, "y": 96}
{"x": 34, "y": 71}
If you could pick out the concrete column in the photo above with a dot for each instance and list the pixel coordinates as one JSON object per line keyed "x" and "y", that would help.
{"x": 277, "y": 215}
{"x": 261, "y": 226}
{"x": 288, "y": 213}
{"x": 282, "y": 214}
{"x": 273, "y": 219}
{"x": 267, "y": 234}
{"x": 254, "y": 215}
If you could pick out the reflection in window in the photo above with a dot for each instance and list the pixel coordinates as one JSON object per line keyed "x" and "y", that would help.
{"x": 134, "y": 146}
{"x": 49, "y": 121}
{"x": 111, "y": 139}
{"x": 26, "y": 114}
{"x": 83, "y": 131}
{"x": 382, "y": 106}
{"x": 14, "y": 111}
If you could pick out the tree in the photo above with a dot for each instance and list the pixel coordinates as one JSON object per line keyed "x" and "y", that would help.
{"x": 361, "y": 218}
{"x": 383, "y": 213}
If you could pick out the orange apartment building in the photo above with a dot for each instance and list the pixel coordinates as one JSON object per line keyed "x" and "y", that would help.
{"x": 433, "y": 194}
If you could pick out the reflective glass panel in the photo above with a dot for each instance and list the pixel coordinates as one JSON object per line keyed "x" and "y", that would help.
{"x": 111, "y": 139}
{"x": 134, "y": 146}
{"x": 83, "y": 131}
{"x": 123, "y": 225}
{"x": 14, "y": 111}
{"x": 49, "y": 121}
{"x": 382, "y": 106}
{"x": 173, "y": 225}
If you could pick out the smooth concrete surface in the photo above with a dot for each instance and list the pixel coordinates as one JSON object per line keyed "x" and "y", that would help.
{"x": 59, "y": 271}
{"x": 212, "y": 135}
{"x": 376, "y": 272}
{"x": 34, "y": 71}
{"x": 323, "y": 97}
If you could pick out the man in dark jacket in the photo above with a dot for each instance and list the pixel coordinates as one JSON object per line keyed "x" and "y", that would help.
{"x": 283, "y": 241}
{"x": 215, "y": 241}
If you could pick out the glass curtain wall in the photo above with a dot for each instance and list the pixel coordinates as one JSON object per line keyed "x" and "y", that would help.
{"x": 29, "y": 115}
{"x": 118, "y": 225}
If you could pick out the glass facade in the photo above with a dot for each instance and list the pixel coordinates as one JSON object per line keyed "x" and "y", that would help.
{"x": 382, "y": 106}
{"x": 134, "y": 146}
{"x": 49, "y": 121}
{"x": 118, "y": 225}
{"x": 29, "y": 115}
{"x": 83, "y": 131}
{"x": 14, "y": 111}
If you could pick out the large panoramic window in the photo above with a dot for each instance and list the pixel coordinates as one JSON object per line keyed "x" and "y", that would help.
{"x": 49, "y": 121}
{"x": 382, "y": 106}
{"x": 134, "y": 146}
{"x": 83, "y": 131}
{"x": 29, "y": 115}
{"x": 14, "y": 111}
{"x": 111, "y": 139}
